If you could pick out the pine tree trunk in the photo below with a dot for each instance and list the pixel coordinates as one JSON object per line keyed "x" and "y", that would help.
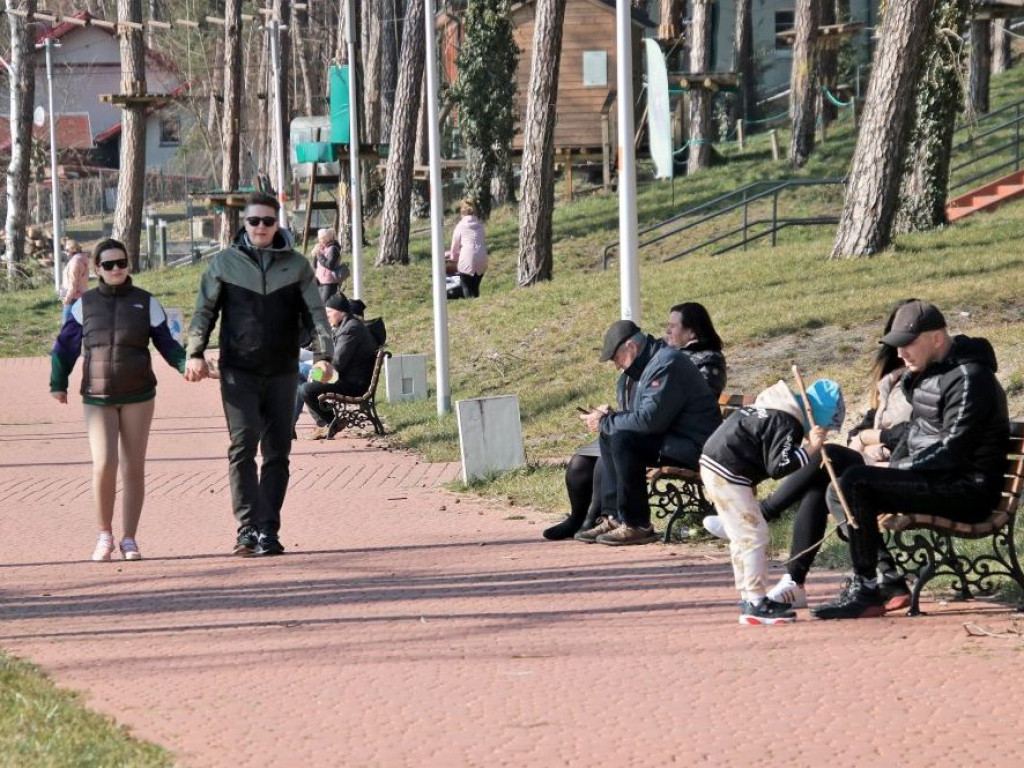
{"x": 301, "y": 55}
{"x": 803, "y": 97}
{"x": 669, "y": 16}
{"x": 925, "y": 183}
{"x": 371, "y": 32}
{"x": 865, "y": 226}
{"x": 257, "y": 75}
{"x": 282, "y": 11}
{"x": 391, "y": 33}
{"x": 421, "y": 187}
{"x": 231, "y": 124}
{"x": 828, "y": 66}
{"x": 1000, "y": 46}
{"x": 131, "y": 180}
{"x": 745, "y": 103}
{"x": 22, "y": 98}
{"x": 537, "y": 196}
{"x": 394, "y": 231}
{"x": 699, "y": 153}
{"x": 981, "y": 66}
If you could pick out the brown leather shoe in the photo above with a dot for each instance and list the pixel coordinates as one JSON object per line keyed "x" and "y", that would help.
{"x": 604, "y": 525}
{"x": 624, "y": 535}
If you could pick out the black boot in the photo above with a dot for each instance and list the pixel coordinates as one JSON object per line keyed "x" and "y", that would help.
{"x": 567, "y": 528}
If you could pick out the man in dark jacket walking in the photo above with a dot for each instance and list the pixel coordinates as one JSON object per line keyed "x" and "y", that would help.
{"x": 673, "y": 413}
{"x": 265, "y": 295}
{"x": 950, "y": 460}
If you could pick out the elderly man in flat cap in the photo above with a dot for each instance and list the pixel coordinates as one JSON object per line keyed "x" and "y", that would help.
{"x": 673, "y": 412}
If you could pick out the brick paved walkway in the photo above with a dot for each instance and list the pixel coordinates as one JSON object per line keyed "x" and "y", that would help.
{"x": 407, "y": 627}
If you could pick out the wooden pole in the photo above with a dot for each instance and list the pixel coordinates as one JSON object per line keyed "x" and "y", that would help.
{"x": 824, "y": 456}
{"x": 741, "y": 136}
{"x": 568, "y": 176}
{"x": 606, "y": 152}
{"x": 774, "y": 136}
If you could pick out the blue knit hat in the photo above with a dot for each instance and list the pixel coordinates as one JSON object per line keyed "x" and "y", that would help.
{"x": 827, "y": 404}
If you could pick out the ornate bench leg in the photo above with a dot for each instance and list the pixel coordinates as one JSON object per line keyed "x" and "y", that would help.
{"x": 948, "y": 551}
{"x": 923, "y": 578}
{"x": 370, "y": 409}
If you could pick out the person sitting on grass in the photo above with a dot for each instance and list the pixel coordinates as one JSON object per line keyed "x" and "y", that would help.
{"x": 869, "y": 442}
{"x": 757, "y": 442}
{"x": 949, "y": 462}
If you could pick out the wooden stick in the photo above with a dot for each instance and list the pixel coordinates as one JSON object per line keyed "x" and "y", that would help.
{"x": 824, "y": 456}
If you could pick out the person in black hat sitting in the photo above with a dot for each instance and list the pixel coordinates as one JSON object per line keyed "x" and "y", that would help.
{"x": 950, "y": 459}
{"x": 355, "y": 353}
{"x": 673, "y": 411}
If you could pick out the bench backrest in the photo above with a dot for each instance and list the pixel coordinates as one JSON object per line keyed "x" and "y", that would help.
{"x": 378, "y": 364}
{"x": 1014, "y": 477}
{"x": 733, "y": 401}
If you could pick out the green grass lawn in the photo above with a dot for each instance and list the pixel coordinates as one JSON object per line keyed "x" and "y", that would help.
{"x": 41, "y": 726}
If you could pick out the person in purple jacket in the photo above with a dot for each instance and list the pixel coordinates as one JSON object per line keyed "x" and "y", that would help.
{"x": 114, "y": 324}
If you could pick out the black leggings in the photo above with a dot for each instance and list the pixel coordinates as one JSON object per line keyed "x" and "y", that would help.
{"x": 583, "y": 483}
{"x": 807, "y": 487}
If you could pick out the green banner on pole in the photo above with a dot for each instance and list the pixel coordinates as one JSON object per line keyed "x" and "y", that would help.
{"x": 339, "y": 105}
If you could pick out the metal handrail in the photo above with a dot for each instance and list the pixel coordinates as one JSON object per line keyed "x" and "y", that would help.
{"x": 1014, "y": 144}
{"x": 741, "y": 192}
{"x": 774, "y": 193}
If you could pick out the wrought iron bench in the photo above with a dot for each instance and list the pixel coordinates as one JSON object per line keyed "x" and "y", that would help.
{"x": 351, "y": 411}
{"x": 923, "y": 545}
{"x": 677, "y": 493}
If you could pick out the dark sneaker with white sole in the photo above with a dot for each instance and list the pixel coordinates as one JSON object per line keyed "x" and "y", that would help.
{"x": 268, "y": 544}
{"x": 766, "y": 612}
{"x": 246, "y": 542}
{"x": 626, "y": 535}
{"x": 859, "y": 599}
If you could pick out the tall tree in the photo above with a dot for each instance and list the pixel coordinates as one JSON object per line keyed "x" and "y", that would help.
{"x": 939, "y": 97}
{"x": 865, "y": 226}
{"x": 744, "y": 106}
{"x": 1000, "y": 46}
{"x": 371, "y": 29}
{"x": 981, "y": 65}
{"x": 699, "y": 153}
{"x": 485, "y": 93}
{"x": 282, "y": 10}
{"x": 394, "y": 228}
{"x": 131, "y": 179}
{"x": 232, "y": 122}
{"x": 22, "y": 98}
{"x": 537, "y": 196}
{"x": 804, "y": 81}
{"x": 828, "y": 64}
{"x": 669, "y": 17}
{"x": 391, "y": 32}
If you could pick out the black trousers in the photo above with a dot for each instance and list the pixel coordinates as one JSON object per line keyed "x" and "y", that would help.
{"x": 625, "y": 457}
{"x": 258, "y": 410}
{"x": 870, "y": 490}
{"x": 806, "y": 487}
{"x": 309, "y": 393}
{"x": 470, "y": 287}
{"x": 326, "y": 290}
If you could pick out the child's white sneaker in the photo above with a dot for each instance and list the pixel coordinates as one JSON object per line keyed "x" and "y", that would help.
{"x": 788, "y": 591}
{"x": 104, "y": 547}
{"x": 713, "y": 525}
{"x": 130, "y": 550}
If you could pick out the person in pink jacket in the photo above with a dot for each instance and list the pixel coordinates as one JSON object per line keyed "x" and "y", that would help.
{"x": 469, "y": 252}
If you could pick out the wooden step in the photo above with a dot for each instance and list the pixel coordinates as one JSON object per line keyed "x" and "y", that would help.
{"x": 987, "y": 197}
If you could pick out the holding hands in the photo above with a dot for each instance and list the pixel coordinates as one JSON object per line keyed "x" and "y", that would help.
{"x": 196, "y": 369}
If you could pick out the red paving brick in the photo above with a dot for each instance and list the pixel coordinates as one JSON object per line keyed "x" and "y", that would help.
{"x": 398, "y": 633}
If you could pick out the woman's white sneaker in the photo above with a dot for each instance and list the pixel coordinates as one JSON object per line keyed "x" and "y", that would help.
{"x": 104, "y": 547}
{"x": 130, "y": 550}
{"x": 713, "y": 525}
{"x": 788, "y": 591}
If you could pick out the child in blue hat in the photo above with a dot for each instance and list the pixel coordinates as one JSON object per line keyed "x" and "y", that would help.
{"x": 757, "y": 442}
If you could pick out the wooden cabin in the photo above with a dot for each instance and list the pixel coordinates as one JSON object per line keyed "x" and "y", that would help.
{"x": 587, "y": 71}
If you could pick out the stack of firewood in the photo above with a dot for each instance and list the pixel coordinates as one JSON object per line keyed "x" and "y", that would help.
{"x": 39, "y": 246}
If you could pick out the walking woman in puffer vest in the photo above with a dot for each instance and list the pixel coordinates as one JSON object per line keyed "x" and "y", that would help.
{"x": 114, "y": 323}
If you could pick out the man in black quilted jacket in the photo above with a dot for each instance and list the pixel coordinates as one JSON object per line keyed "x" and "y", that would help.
{"x": 950, "y": 460}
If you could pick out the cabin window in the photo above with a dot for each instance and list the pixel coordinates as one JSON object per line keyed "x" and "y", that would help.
{"x": 784, "y": 21}
{"x": 595, "y": 69}
{"x": 170, "y": 132}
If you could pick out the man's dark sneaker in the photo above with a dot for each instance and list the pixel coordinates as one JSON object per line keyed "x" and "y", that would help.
{"x": 859, "y": 599}
{"x": 766, "y": 612}
{"x": 895, "y": 593}
{"x": 268, "y": 544}
{"x": 246, "y": 542}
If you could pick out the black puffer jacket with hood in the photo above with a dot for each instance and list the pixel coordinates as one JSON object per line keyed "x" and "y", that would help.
{"x": 960, "y": 425}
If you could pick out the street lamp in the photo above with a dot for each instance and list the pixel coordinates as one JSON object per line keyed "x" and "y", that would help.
{"x": 48, "y": 44}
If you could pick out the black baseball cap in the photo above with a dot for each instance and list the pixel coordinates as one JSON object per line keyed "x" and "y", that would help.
{"x": 619, "y": 331}
{"x": 911, "y": 320}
